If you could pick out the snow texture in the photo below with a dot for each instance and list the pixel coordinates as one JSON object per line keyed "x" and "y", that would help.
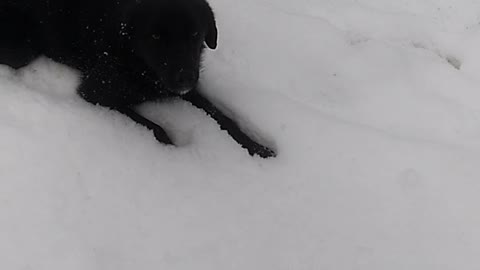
{"x": 373, "y": 105}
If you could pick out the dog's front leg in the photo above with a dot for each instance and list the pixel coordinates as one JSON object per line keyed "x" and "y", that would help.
{"x": 158, "y": 131}
{"x": 109, "y": 84}
{"x": 229, "y": 125}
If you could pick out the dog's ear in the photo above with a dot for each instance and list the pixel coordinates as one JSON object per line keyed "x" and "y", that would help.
{"x": 212, "y": 32}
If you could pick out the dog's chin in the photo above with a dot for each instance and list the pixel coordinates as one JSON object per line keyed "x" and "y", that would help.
{"x": 181, "y": 90}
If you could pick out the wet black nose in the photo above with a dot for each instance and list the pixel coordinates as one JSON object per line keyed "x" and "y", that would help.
{"x": 186, "y": 78}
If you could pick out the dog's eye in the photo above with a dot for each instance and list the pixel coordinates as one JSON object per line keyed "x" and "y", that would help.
{"x": 156, "y": 36}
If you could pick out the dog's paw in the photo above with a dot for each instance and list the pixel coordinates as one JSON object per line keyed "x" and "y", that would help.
{"x": 261, "y": 151}
{"x": 162, "y": 136}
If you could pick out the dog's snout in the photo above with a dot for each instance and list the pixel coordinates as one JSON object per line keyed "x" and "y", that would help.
{"x": 183, "y": 81}
{"x": 185, "y": 77}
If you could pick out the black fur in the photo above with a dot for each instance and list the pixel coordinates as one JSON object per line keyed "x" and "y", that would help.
{"x": 128, "y": 51}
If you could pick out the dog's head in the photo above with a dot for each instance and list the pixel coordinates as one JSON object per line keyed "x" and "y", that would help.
{"x": 169, "y": 36}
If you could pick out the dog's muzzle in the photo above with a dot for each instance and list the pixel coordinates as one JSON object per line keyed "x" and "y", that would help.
{"x": 183, "y": 82}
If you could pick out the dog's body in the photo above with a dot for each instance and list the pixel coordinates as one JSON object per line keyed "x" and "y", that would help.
{"x": 128, "y": 51}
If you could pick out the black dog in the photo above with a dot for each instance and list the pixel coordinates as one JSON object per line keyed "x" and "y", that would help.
{"x": 128, "y": 51}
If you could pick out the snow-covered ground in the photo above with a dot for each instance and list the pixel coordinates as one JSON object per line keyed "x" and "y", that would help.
{"x": 373, "y": 105}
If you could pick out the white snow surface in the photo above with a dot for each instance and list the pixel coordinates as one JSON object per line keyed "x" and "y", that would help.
{"x": 373, "y": 106}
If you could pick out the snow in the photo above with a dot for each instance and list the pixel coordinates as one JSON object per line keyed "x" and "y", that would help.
{"x": 373, "y": 106}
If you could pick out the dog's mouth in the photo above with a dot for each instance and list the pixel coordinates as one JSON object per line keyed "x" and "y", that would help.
{"x": 183, "y": 81}
{"x": 176, "y": 90}
{"x": 180, "y": 84}
{"x": 182, "y": 90}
